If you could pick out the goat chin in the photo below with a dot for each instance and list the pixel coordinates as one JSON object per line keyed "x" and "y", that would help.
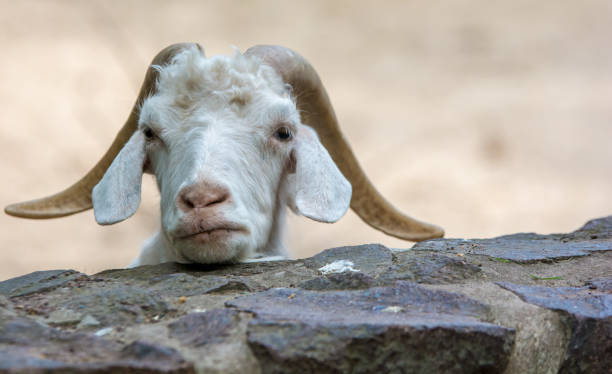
{"x": 158, "y": 249}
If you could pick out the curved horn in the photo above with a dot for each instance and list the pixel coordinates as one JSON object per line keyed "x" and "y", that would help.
{"x": 77, "y": 197}
{"x": 317, "y": 112}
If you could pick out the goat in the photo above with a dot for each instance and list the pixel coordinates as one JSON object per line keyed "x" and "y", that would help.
{"x": 231, "y": 141}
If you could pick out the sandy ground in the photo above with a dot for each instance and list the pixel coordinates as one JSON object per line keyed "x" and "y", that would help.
{"x": 483, "y": 117}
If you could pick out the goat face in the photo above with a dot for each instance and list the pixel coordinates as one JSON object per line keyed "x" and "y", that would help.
{"x": 219, "y": 169}
{"x": 224, "y": 139}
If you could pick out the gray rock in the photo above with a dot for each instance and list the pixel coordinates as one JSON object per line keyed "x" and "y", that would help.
{"x": 122, "y": 305}
{"x": 64, "y": 317}
{"x": 30, "y": 347}
{"x": 371, "y": 259}
{"x": 428, "y": 268}
{"x": 588, "y": 314}
{"x": 147, "y": 357}
{"x": 347, "y": 280}
{"x": 379, "y": 266}
{"x": 197, "y": 329}
{"x": 530, "y": 247}
{"x": 6, "y": 309}
{"x": 373, "y": 310}
{"x": 522, "y": 248}
{"x": 20, "y": 331}
{"x": 600, "y": 228}
{"x": 38, "y": 281}
{"x": 88, "y": 321}
{"x": 380, "y": 329}
{"x": 179, "y": 284}
{"x": 603, "y": 285}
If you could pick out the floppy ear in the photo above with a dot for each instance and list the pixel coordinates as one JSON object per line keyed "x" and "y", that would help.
{"x": 317, "y": 190}
{"x": 117, "y": 196}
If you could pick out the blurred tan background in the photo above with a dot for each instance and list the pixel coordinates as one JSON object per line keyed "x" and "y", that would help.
{"x": 485, "y": 117}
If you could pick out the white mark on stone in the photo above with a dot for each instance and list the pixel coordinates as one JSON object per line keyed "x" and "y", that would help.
{"x": 339, "y": 266}
{"x": 103, "y": 331}
{"x": 393, "y": 309}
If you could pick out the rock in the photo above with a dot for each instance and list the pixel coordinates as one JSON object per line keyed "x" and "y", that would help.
{"x": 197, "y": 329}
{"x": 371, "y": 259}
{"x": 600, "y": 228}
{"x": 588, "y": 314}
{"x": 603, "y": 285}
{"x": 153, "y": 358}
{"x": 118, "y": 305}
{"x": 20, "y": 331}
{"x": 347, "y": 280}
{"x": 6, "y": 309}
{"x": 515, "y": 304}
{"x": 522, "y": 248}
{"x": 530, "y": 247}
{"x": 178, "y": 284}
{"x": 38, "y": 281}
{"x": 88, "y": 321}
{"x": 64, "y": 317}
{"x": 428, "y": 268}
{"x": 335, "y": 331}
{"x": 29, "y": 347}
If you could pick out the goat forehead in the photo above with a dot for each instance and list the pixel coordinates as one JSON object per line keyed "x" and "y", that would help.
{"x": 266, "y": 110}
{"x": 233, "y": 87}
{"x": 190, "y": 77}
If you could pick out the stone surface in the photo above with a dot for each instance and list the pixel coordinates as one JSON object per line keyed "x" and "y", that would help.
{"x": 119, "y": 305}
{"x": 88, "y": 321}
{"x": 517, "y": 247}
{"x": 326, "y": 332}
{"x": 522, "y": 303}
{"x": 347, "y": 280}
{"x": 197, "y": 329}
{"x": 430, "y": 268}
{"x": 371, "y": 259}
{"x": 599, "y": 228}
{"x": 64, "y": 317}
{"x": 28, "y": 346}
{"x": 529, "y": 247}
{"x": 588, "y": 315}
{"x": 37, "y": 281}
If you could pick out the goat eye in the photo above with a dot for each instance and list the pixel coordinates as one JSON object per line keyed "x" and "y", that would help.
{"x": 148, "y": 133}
{"x": 283, "y": 133}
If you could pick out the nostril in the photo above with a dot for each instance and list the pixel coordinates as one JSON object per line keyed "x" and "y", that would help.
{"x": 184, "y": 202}
{"x": 187, "y": 202}
{"x": 217, "y": 200}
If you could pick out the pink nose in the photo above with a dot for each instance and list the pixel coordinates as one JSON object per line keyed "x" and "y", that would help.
{"x": 202, "y": 195}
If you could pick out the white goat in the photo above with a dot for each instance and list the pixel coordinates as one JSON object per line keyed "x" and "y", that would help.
{"x": 231, "y": 143}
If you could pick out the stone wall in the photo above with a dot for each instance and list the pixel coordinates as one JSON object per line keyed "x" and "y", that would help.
{"x": 522, "y": 303}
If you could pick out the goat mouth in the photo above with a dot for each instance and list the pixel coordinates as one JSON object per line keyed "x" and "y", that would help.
{"x": 212, "y": 234}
